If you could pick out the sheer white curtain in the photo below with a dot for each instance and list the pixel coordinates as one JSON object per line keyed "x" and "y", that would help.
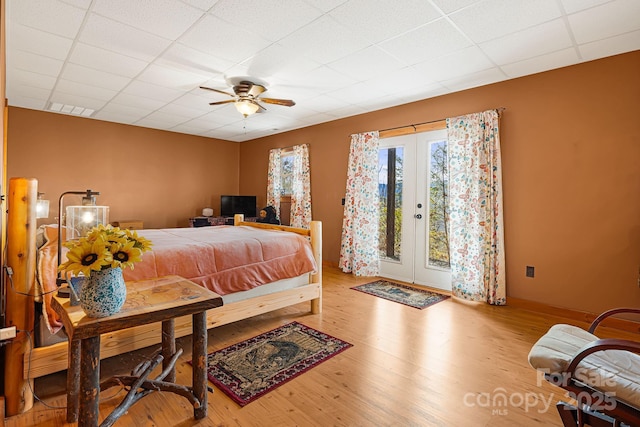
{"x": 301, "y": 184}
{"x": 359, "y": 244}
{"x": 476, "y": 211}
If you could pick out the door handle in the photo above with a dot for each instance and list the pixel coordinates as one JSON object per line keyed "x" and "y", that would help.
{"x": 418, "y": 216}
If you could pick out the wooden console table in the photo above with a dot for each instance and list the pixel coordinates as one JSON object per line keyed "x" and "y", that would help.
{"x": 148, "y": 301}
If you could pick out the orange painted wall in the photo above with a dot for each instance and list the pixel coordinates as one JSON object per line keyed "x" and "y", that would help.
{"x": 570, "y": 151}
{"x": 162, "y": 178}
{"x": 571, "y": 159}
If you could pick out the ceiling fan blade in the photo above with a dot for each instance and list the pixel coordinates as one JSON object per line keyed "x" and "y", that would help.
{"x": 217, "y": 90}
{"x": 283, "y": 102}
{"x": 222, "y": 102}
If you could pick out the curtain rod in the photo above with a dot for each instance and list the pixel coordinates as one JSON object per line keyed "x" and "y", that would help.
{"x": 498, "y": 110}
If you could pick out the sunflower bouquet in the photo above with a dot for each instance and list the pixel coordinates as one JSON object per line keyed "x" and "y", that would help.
{"x": 102, "y": 248}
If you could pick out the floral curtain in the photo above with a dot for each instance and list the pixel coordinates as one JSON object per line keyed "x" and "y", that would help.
{"x": 301, "y": 192}
{"x": 359, "y": 244}
{"x": 476, "y": 216}
{"x": 274, "y": 182}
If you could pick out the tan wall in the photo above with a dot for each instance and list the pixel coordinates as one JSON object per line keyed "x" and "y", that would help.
{"x": 571, "y": 159}
{"x": 162, "y": 178}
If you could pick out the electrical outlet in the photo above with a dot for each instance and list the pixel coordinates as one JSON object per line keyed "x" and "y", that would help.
{"x": 530, "y": 271}
{"x": 7, "y": 333}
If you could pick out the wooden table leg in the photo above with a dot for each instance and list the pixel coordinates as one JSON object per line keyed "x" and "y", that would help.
{"x": 89, "y": 381}
{"x": 168, "y": 347}
{"x": 199, "y": 355}
{"x": 73, "y": 381}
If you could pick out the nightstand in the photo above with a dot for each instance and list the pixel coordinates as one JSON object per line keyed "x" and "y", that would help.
{"x": 131, "y": 224}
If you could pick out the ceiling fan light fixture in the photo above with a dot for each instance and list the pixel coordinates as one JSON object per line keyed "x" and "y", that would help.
{"x": 246, "y": 108}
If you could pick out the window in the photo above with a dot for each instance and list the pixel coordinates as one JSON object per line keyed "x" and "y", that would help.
{"x": 286, "y": 173}
{"x": 390, "y": 194}
{"x": 438, "y": 206}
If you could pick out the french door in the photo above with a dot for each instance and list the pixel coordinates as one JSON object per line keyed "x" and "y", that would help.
{"x": 412, "y": 183}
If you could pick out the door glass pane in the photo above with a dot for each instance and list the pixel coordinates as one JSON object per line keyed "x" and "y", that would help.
{"x": 438, "y": 206}
{"x": 390, "y": 161}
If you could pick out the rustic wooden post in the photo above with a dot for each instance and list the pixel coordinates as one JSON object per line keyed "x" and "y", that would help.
{"x": 21, "y": 258}
{"x": 315, "y": 231}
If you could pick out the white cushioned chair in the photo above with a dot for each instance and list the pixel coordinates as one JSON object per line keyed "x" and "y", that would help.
{"x": 602, "y": 376}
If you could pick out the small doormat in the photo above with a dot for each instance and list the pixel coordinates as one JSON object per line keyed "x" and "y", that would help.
{"x": 407, "y": 295}
{"x": 251, "y": 368}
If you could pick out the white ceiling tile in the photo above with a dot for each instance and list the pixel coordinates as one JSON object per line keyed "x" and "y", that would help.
{"x": 71, "y": 87}
{"x": 167, "y": 120}
{"x": 26, "y": 102}
{"x": 148, "y": 90}
{"x": 137, "y": 101}
{"x": 135, "y": 112}
{"x": 465, "y": 61}
{"x": 117, "y": 37}
{"x": 171, "y": 78}
{"x": 529, "y": 43}
{"x": 324, "y": 40}
{"x": 29, "y": 78}
{"x": 472, "y": 80}
{"x": 325, "y": 5}
{"x": 277, "y": 62}
{"x": 51, "y": 16}
{"x": 142, "y": 62}
{"x": 29, "y": 92}
{"x": 115, "y": 116}
{"x": 219, "y": 38}
{"x": 84, "y": 4}
{"x": 21, "y": 60}
{"x": 38, "y": 42}
{"x": 93, "y": 77}
{"x": 405, "y": 79}
{"x": 604, "y": 21}
{"x": 542, "y": 63}
{"x": 264, "y": 17}
{"x": 378, "y": 20}
{"x": 572, "y": 6}
{"x": 611, "y": 46}
{"x": 201, "y": 4}
{"x": 448, "y": 6}
{"x": 181, "y": 111}
{"x": 164, "y": 18}
{"x": 496, "y": 18}
{"x": 77, "y": 100}
{"x": 105, "y": 60}
{"x": 427, "y": 42}
{"x": 185, "y": 58}
{"x": 367, "y": 64}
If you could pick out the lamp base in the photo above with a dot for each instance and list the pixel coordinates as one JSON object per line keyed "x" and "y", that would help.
{"x": 63, "y": 292}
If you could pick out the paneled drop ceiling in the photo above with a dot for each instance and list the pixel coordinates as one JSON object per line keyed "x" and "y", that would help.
{"x": 141, "y": 62}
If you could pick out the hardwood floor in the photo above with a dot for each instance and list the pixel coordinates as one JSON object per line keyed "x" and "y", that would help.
{"x": 447, "y": 365}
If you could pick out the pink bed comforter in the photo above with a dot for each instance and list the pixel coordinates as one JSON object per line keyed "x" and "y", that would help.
{"x": 225, "y": 259}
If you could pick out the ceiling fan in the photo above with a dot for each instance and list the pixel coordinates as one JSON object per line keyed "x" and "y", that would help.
{"x": 247, "y": 95}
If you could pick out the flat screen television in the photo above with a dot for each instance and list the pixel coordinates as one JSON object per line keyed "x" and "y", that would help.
{"x": 231, "y": 205}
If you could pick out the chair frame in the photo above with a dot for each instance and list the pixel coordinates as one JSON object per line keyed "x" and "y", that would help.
{"x": 595, "y": 408}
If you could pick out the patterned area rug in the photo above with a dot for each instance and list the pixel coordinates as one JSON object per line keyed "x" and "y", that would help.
{"x": 252, "y": 368}
{"x": 414, "y": 297}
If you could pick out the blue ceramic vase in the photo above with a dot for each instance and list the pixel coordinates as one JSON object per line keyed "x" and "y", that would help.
{"x": 103, "y": 293}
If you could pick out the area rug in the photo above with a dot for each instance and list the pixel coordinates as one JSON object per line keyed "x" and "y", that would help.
{"x": 254, "y": 367}
{"x": 407, "y": 295}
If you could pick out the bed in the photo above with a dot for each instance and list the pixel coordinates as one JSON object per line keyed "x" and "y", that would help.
{"x": 256, "y": 268}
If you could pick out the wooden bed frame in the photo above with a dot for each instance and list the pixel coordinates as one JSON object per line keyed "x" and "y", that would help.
{"x": 41, "y": 361}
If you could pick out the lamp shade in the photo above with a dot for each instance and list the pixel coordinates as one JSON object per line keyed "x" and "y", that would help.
{"x": 42, "y": 208}
{"x": 246, "y": 108}
{"x": 81, "y": 219}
